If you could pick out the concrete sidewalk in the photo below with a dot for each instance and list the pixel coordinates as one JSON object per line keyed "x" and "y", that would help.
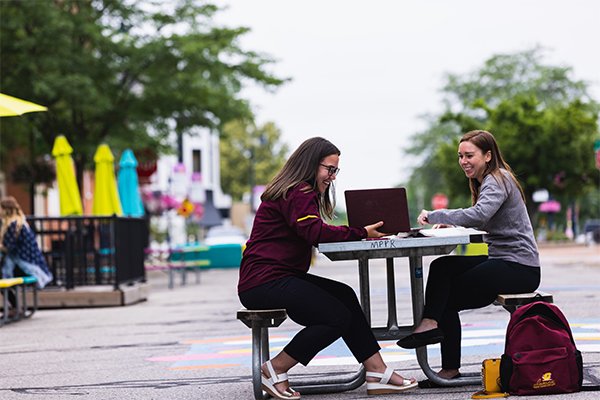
{"x": 185, "y": 343}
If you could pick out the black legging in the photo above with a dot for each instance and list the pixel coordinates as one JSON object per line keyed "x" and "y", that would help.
{"x": 328, "y": 309}
{"x": 458, "y": 283}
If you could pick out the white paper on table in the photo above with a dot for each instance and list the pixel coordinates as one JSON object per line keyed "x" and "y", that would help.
{"x": 454, "y": 231}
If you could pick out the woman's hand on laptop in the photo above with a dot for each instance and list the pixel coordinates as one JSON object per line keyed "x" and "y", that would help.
{"x": 372, "y": 231}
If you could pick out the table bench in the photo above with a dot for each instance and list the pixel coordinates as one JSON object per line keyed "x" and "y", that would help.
{"x": 260, "y": 321}
{"x": 414, "y": 249}
{"x": 7, "y": 286}
{"x": 12, "y": 286}
{"x": 510, "y": 302}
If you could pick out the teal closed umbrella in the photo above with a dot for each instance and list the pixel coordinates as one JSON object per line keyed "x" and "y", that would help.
{"x": 129, "y": 190}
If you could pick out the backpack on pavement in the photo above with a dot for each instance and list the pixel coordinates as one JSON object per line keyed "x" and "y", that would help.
{"x": 540, "y": 356}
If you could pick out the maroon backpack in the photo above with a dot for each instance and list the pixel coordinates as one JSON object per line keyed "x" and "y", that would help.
{"x": 540, "y": 356}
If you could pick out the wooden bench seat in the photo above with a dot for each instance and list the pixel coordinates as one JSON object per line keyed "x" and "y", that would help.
{"x": 511, "y": 302}
{"x": 260, "y": 321}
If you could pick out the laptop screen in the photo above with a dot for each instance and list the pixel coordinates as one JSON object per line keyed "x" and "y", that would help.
{"x": 368, "y": 206}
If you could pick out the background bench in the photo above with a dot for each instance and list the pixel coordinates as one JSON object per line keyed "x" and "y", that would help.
{"x": 176, "y": 260}
{"x": 11, "y": 287}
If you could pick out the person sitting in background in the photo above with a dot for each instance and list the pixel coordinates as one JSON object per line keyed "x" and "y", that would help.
{"x": 17, "y": 242}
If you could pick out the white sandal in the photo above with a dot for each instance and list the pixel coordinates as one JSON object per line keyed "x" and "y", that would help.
{"x": 268, "y": 384}
{"x": 384, "y": 387}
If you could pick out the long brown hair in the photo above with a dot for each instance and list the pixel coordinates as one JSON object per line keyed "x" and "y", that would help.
{"x": 301, "y": 167}
{"x": 11, "y": 212}
{"x": 485, "y": 141}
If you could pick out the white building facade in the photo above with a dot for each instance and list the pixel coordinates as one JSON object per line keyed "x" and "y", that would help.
{"x": 201, "y": 172}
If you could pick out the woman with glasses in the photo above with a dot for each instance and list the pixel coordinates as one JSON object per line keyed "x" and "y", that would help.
{"x": 457, "y": 283}
{"x": 274, "y": 271}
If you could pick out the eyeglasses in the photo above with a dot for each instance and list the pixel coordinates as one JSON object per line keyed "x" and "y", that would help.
{"x": 331, "y": 170}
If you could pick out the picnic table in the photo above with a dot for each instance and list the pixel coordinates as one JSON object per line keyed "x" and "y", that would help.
{"x": 389, "y": 249}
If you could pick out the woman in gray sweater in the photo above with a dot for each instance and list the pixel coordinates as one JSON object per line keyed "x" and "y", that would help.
{"x": 458, "y": 283}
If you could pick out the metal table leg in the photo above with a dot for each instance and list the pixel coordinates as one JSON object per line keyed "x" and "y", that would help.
{"x": 329, "y": 385}
{"x": 392, "y": 322}
{"x": 363, "y": 283}
{"x": 418, "y": 301}
{"x": 4, "y": 292}
{"x": 258, "y": 354}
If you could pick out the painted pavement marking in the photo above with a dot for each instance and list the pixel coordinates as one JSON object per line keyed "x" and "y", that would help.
{"x": 478, "y": 339}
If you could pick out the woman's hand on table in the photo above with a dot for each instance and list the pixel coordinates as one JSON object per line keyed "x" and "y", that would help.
{"x": 440, "y": 226}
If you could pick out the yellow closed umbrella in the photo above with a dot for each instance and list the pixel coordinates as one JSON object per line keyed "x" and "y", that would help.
{"x": 106, "y": 195}
{"x": 12, "y": 106}
{"x": 68, "y": 190}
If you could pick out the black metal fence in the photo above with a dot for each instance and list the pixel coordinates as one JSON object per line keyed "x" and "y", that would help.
{"x": 84, "y": 251}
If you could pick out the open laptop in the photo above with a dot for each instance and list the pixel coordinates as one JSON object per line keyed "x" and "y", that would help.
{"x": 368, "y": 206}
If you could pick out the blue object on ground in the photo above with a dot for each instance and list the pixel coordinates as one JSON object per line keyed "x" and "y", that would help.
{"x": 224, "y": 255}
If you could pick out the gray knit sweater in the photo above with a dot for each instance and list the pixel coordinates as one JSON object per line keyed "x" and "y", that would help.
{"x": 501, "y": 212}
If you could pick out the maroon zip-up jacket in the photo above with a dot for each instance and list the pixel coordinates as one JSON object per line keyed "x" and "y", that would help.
{"x": 283, "y": 233}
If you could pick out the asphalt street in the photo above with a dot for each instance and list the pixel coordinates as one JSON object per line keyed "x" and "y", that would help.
{"x": 185, "y": 343}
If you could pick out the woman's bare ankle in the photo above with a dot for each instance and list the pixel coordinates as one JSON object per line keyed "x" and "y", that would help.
{"x": 267, "y": 372}
{"x": 448, "y": 373}
{"x": 426, "y": 324}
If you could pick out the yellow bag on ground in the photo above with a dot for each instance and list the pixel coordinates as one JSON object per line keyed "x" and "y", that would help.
{"x": 490, "y": 377}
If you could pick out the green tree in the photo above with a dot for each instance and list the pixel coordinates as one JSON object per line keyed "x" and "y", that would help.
{"x": 544, "y": 121}
{"x": 251, "y": 155}
{"x": 505, "y": 76}
{"x": 546, "y": 147}
{"x": 128, "y": 73}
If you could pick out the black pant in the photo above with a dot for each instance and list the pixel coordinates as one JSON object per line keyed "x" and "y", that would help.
{"x": 458, "y": 283}
{"x": 328, "y": 309}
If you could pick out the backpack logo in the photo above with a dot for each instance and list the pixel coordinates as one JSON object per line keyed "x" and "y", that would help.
{"x": 545, "y": 381}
